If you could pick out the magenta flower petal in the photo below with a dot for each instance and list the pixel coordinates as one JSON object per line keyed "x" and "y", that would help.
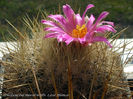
{"x": 60, "y": 38}
{"x": 88, "y": 7}
{"x": 50, "y": 23}
{"x": 102, "y": 39}
{"x": 58, "y": 18}
{"x": 78, "y": 19}
{"x": 107, "y": 22}
{"x": 88, "y": 36}
{"x": 104, "y": 28}
{"x": 68, "y": 26}
{"x": 82, "y": 40}
{"x": 69, "y": 40}
{"x": 70, "y": 20}
{"x": 102, "y": 16}
{"x": 69, "y": 13}
{"x": 90, "y": 22}
{"x": 55, "y": 29}
{"x": 51, "y": 35}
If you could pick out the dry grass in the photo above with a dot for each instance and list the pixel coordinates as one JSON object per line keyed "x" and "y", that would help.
{"x": 40, "y": 66}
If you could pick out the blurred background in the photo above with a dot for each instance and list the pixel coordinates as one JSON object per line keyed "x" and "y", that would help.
{"x": 121, "y": 12}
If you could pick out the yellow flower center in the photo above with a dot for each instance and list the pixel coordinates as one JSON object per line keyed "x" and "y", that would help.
{"x": 80, "y": 31}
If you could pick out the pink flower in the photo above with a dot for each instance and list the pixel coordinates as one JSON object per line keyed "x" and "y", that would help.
{"x": 73, "y": 27}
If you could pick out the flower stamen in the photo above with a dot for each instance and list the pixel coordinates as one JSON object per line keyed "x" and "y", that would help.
{"x": 80, "y": 31}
